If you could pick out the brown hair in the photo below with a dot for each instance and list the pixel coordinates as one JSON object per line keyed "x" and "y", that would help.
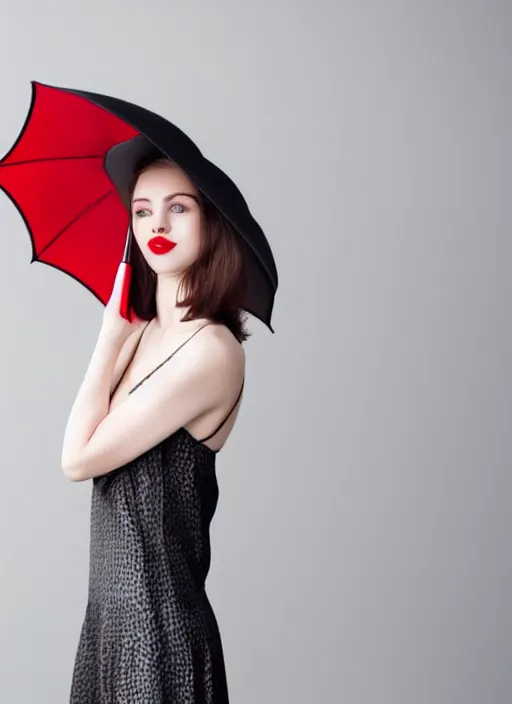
{"x": 214, "y": 285}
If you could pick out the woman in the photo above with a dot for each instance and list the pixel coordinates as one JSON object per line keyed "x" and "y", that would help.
{"x": 159, "y": 400}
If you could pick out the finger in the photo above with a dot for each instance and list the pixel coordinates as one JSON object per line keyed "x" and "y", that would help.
{"x": 118, "y": 281}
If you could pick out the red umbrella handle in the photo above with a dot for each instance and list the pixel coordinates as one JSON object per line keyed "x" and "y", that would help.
{"x": 125, "y": 293}
{"x": 125, "y": 310}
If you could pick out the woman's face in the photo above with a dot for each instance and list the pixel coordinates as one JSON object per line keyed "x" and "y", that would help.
{"x": 164, "y": 206}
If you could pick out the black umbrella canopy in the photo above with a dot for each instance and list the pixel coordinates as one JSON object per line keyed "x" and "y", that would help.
{"x": 157, "y": 132}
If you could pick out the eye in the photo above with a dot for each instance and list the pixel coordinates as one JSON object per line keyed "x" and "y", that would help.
{"x": 178, "y": 205}
{"x": 138, "y": 212}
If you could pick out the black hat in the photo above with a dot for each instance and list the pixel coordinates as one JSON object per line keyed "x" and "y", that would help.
{"x": 169, "y": 141}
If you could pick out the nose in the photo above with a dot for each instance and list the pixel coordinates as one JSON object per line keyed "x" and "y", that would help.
{"x": 160, "y": 229}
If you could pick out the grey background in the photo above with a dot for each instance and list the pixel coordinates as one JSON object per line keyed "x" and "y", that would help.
{"x": 361, "y": 546}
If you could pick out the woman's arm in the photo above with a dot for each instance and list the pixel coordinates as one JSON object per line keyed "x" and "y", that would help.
{"x": 195, "y": 382}
{"x": 93, "y": 399}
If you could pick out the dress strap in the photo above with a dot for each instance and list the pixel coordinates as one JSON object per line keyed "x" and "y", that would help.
{"x": 225, "y": 419}
{"x": 166, "y": 359}
{"x": 131, "y": 359}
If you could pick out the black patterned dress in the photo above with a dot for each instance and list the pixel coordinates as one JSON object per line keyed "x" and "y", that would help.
{"x": 150, "y": 635}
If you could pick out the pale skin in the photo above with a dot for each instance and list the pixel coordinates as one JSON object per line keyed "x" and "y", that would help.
{"x": 194, "y": 390}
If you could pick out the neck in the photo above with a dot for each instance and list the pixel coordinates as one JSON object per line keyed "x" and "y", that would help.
{"x": 167, "y": 312}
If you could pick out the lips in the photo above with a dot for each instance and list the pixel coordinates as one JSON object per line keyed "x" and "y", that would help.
{"x": 160, "y": 245}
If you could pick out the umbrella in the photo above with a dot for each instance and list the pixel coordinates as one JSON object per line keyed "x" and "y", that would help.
{"x": 66, "y": 175}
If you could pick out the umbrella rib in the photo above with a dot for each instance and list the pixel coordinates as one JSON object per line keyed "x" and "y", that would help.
{"x": 77, "y": 217}
{"x": 47, "y": 158}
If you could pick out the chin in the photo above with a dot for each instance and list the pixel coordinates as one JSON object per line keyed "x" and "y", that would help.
{"x": 171, "y": 263}
{"x": 174, "y": 270}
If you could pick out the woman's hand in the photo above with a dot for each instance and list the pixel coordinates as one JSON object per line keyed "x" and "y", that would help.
{"x": 114, "y": 325}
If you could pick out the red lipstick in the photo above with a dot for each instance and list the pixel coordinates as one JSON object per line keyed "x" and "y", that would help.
{"x": 160, "y": 245}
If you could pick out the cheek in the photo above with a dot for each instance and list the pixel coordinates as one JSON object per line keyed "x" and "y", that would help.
{"x": 141, "y": 237}
{"x": 137, "y": 226}
{"x": 190, "y": 246}
{"x": 190, "y": 232}
{"x": 137, "y": 232}
{"x": 188, "y": 249}
{"x": 196, "y": 242}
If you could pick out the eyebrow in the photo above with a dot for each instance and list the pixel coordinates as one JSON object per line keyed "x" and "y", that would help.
{"x": 167, "y": 198}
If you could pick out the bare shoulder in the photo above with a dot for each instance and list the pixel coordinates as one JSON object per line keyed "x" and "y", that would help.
{"x": 222, "y": 347}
